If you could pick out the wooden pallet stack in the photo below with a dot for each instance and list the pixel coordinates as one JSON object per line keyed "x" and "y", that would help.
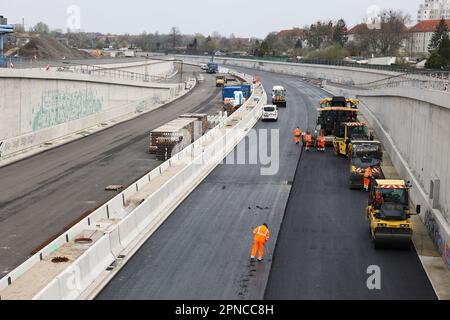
{"x": 202, "y": 117}
{"x": 172, "y": 137}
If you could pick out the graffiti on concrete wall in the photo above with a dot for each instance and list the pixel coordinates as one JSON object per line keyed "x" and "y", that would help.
{"x": 435, "y": 234}
{"x": 61, "y": 106}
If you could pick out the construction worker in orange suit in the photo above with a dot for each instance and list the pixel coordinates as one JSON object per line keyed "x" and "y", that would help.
{"x": 308, "y": 140}
{"x": 379, "y": 200}
{"x": 367, "y": 177}
{"x": 321, "y": 142}
{"x": 298, "y": 135}
{"x": 261, "y": 236}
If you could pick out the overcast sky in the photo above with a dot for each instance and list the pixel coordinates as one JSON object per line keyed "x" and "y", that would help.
{"x": 244, "y": 18}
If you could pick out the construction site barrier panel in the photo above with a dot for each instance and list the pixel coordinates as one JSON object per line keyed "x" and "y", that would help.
{"x": 69, "y": 285}
{"x": 79, "y": 275}
{"x": 97, "y": 215}
{"x": 77, "y": 229}
{"x": 24, "y": 267}
{"x": 154, "y": 174}
{"x": 142, "y": 182}
{"x": 94, "y": 261}
{"x": 3, "y": 283}
{"x": 115, "y": 206}
{"x": 50, "y": 292}
{"x": 53, "y": 246}
{"x": 129, "y": 192}
{"x": 128, "y": 229}
{"x": 114, "y": 242}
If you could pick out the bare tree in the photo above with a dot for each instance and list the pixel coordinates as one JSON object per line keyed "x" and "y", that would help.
{"x": 174, "y": 36}
{"x": 387, "y": 37}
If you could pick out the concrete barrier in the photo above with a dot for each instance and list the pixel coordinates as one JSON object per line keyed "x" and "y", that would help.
{"x": 114, "y": 242}
{"x": 69, "y": 284}
{"x": 128, "y": 229}
{"x": 50, "y": 292}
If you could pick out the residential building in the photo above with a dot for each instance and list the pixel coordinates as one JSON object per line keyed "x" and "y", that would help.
{"x": 420, "y": 36}
{"x": 434, "y": 10}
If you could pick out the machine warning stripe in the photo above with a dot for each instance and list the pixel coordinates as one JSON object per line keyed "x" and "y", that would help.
{"x": 391, "y": 187}
{"x": 355, "y": 124}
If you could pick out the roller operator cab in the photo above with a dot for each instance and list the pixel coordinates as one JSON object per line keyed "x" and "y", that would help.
{"x": 279, "y": 96}
{"x": 389, "y": 214}
{"x": 362, "y": 155}
{"x": 347, "y": 133}
{"x": 270, "y": 112}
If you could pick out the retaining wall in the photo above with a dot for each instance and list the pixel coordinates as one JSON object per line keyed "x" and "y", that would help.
{"x": 39, "y": 106}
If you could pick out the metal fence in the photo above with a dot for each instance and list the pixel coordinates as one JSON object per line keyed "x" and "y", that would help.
{"x": 436, "y": 81}
{"x": 7, "y": 62}
{"x": 340, "y": 63}
{"x": 425, "y": 79}
{"x": 80, "y": 68}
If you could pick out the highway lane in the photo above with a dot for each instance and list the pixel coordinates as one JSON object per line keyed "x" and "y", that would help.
{"x": 324, "y": 247}
{"x": 202, "y": 250}
{"x": 41, "y": 195}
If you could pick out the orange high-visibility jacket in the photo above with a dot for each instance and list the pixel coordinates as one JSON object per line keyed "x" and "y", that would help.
{"x": 308, "y": 138}
{"x": 262, "y": 234}
{"x": 321, "y": 140}
{"x": 368, "y": 173}
{"x": 297, "y": 132}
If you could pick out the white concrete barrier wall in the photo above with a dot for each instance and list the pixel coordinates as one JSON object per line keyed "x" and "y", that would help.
{"x": 69, "y": 284}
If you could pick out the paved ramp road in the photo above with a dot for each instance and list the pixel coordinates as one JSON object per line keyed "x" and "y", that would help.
{"x": 323, "y": 248}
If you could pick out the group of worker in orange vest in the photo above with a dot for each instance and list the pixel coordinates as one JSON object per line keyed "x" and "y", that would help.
{"x": 309, "y": 140}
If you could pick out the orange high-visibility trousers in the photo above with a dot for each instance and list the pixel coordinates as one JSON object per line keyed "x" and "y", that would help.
{"x": 297, "y": 139}
{"x": 366, "y": 183}
{"x": 258, "y": 246}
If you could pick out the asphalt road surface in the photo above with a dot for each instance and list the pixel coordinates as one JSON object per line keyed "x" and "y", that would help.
{"x": 41, "y": 195}
{"x": 322, "y": 250}
{"x": 202, "y": 251}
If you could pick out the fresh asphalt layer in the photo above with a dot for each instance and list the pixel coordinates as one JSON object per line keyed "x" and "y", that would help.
{"x": 323, "y": 248}
{"x": 41, "y": 195}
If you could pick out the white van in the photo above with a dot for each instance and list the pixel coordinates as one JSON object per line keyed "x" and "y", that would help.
{"x": 270, "y": 112}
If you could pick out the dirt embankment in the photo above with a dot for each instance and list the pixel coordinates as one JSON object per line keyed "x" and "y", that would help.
{"x": 47, "y": 48}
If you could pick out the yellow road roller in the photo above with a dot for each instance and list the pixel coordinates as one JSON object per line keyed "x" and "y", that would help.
{"x": 389, "y": 214}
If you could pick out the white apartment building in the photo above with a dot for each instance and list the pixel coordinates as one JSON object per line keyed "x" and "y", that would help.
{"x": 420, "y": 35}
{"x": 434, "y": 10}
